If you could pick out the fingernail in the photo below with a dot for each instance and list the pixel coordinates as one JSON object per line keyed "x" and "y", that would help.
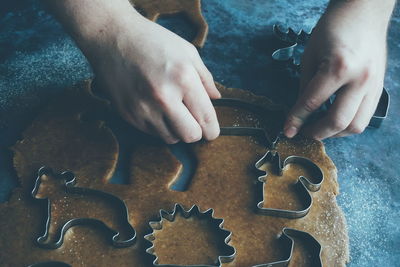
{"x": 290, "y": 131}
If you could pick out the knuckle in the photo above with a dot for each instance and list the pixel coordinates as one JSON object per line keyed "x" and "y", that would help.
{"x": 192, "y": 136}
{"x": 207, "y": 119}
{"x": 340, "y": 66}
{"x": 365, "y": 75}
{"x": 139, "y": 107}
{"x": 294, "y": 120}
{"x": 160, "y": 97}
{"x": 311, "y": 104}
{"x": 356, "y": 128}
{"x": 182, "y": 74}
{"x": 170, "y": 140}
{"x": 339, "y": 123}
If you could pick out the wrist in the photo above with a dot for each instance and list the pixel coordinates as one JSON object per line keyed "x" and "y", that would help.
{"x": 101, "y": 35}
{"x": 373, "y": 13}
{"x": 96, "y": 25}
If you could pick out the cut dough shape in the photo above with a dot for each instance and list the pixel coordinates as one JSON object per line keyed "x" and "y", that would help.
{"x": 152, "y": 9}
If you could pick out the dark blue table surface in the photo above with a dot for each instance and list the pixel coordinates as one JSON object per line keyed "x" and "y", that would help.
{"x": 38, "y": 59}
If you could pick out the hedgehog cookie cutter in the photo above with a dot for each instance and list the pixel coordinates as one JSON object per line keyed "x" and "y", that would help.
{"x": 303, "y": 184}
{"x": 194, "y": 211}
{"x": 290, "y": 56}
{"x": 69, "y": 180}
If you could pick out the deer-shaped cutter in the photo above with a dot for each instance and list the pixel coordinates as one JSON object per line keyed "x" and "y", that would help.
{"x": 54, "y": 238}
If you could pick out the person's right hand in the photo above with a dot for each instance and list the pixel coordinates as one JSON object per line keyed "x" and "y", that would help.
{"x": 157, "y": 81}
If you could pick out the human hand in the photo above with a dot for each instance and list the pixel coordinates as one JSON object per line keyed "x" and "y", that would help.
{"x": 346, "y": 56}
{"x": 158, "y": 83}
{"x": 155, "y": 79}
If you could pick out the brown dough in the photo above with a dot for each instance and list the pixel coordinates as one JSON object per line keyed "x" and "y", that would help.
{"x": 152, "y": 9}
{"x": 225, "y": 180}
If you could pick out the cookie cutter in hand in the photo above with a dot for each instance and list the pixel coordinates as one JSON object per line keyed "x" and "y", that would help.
{"x": 271, "y": 139}
{"x": 70, "y": 181}
{"x": 291, "y": 54}
{"x": 193, "y": 211}
{"x": 303, "y": 185}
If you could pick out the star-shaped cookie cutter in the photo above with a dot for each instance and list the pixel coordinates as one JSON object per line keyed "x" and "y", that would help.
{"x": 193, "y": 211}
{"x": 70, "y": 188}
{"x": 305, "y": 186}
{"x": 291, "y": 54}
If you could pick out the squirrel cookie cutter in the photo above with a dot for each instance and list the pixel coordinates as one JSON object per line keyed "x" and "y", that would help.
{"x": 70, "y": 181}
{"x": 192, "y": 212}
{"x": 291, "y": 54}
{"x": 303, "y": 184}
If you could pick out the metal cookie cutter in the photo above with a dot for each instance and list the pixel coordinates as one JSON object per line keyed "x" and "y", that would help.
{"x": 229, "y": 251}
{"x": 287, "y": 236}
{"x": 291, "y": 54}
{"x": 303, "y": 184}
{"x": 50, "y": 264}
{"x": 70, "y": 188}
{"x": 270, "y": 139}
{"x": 296, "y": 41}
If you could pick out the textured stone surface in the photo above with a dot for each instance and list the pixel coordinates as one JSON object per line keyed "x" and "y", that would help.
{"x": 37, "y": 59}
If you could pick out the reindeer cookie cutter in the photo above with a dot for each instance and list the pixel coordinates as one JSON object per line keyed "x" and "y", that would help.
{"x": 194, "y": 211}
{"x": 303, "y": 185}
{"x": 290, "y": 57}
{"x": 70, "y": 181}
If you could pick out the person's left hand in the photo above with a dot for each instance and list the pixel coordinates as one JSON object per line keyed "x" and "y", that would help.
{"x": 346, "y": 56}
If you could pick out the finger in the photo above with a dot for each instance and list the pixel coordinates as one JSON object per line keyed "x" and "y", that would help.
{"x": 319, "y": 89}
{"x": 363, "y": 115}
{"x": 207, "y": 79}
{"x": 154, "y": 125}
{"x": 340, "y": 114}
{"x": 307, "y": 68}
{"x": 182, "y": 123}
{"x": 157, "y": 126}
{"x": 199, "y": 104}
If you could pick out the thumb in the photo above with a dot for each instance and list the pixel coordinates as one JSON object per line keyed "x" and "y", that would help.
{"x": 317, "y": 91}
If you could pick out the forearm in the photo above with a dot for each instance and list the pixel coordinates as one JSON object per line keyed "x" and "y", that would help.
{"x": 95, "y": 24}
